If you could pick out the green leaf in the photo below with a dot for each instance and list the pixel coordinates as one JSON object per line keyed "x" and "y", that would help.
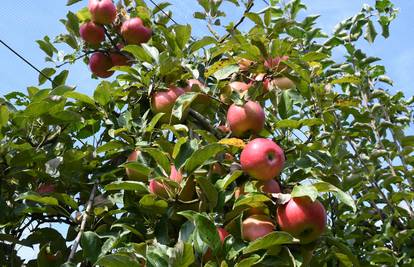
{"x": 84, "y": 14}
{"x": 48, "y": 72}
{"x": 91, "y": 246}
{"x": 71, "y": 2}
{"x": 113, "y": 145}
{"x": 342, "y": 196}
{"x": 251, "y": 200}
{"x": 182, "y": 255}
{"x": 4, "y": 115}
{"x": 138, "y": 52}
{"x": 347, "y": 79}
{"x": 305, "y": 190}
{"x": 160, "y": 157}
{"x": 154, "y": 122}
{"x": 205, "y": 41}
{"x": 371, "y": 33}
{"x": 209, "y": 191}
{"x": 207, "y": 231}
{"x": 270, "y": 240}
{"x": 119, "y": 260}
{"x": 79, "y": 96}
{"x": 225, "y": 72}
{"x": 183, "y": 103}
{"x": 314, "y": 56}
{"x": 182, "y": 34}
{"x": 228, "y": 180}
{"x": 39, "y": 199}
{"x": 199, "y": 157}
{"x": 141, "y": 188}
{"x": 102, "y": 94}
{"x": 288, "y": 124}
{"x": 248, "y": 262}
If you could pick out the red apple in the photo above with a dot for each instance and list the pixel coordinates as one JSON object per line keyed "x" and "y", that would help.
{"x": 91, "y": 33}
{"x": 100, "y": 63}
{"x": 256, "y": 226}
{"x": 239, "y": 86}
{"x": 269, "y": 186}
{"x": 249, "y": 117}
{"x": 163, "y": 101}
{"x": 201, "y": 103}
{"x": 302, "y": 218}
{"x": 135, "y": 32}
{"x": 46, "y": 189}
{"x": 161, "y": 189}
{"x": 262, "y": 159}
{"x": 276, "y": 64}
{"x": 134, "y": 175}
{"x": 102, "y": 11}
{"x": 244, "y": 64}
{"x": 118, "y": 59}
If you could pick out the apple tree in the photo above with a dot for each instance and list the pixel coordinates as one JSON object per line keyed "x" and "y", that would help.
{"x": 249, "y": 147}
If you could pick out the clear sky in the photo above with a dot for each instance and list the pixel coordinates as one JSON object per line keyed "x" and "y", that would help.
{"x": 24, "y": 21}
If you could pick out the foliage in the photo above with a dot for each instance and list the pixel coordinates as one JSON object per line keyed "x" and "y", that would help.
{"x": 343, "y": 136}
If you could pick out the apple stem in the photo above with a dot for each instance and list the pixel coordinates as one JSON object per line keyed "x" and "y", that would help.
{"x": 85, "y": 217}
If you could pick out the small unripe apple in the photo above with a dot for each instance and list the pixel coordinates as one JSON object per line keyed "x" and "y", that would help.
{"x": 92, "y": 33}
{"x": 262, "y": 159}
{"x": 118, "y": 59}
{"x": 132, "y": 174}
{"x": 102, "y": 11}
{"x": 276, "y": 64}
{"x": 256, "y": 226}
{"x": 99, "y": 64}
{"x": 135, "y": 32}
{"x": 244, "y": 64}
{"x": 163, "y": 101}
{"x": 249, "y": 117}
{"x": 302, "y": 218}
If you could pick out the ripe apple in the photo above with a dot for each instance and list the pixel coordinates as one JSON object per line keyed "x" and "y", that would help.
{"x": 135, "y": 32}
{"x": 283, "y": 83}
{"x": 262, "y": 159}
{"x": 244, "y": 64}
{"x": 161, "y": 189}
{"x": 201, "y": 103}
{"x": 222, "y": 234}
{"x": 119, "y": 59}
{"x": 249, "y": 117}
{"x": 100, "y": 63}
{"x": 302, "y": 218}
{"x": 276, "y": 64}
{"x": 269, "y": 186}
{"x": 163, "y": 101}
{"x": 92, "y": 33}
{"x": 132, "y": 174}
{"x": 256, "y": 226}
{"x": 102, "y": 11}
{"x": 46, "y": 188}
{"x": 239, "y": 86}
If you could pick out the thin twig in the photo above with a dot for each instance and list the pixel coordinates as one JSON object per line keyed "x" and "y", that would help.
{"x": 250, "y": 4}
{"x": 85, "y": 217}
{"x": 205, "y": 123}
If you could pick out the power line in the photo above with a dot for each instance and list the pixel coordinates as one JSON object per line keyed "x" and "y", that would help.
{"x": 26, "y": 61}
{"x": 266, "y": 2}
{"x": 165, "y": 13}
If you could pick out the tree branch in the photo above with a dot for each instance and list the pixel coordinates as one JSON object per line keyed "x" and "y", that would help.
{"x": 249, "y": 6}
{"x": 205, "y": 123}
{"x": 85, "y": 217}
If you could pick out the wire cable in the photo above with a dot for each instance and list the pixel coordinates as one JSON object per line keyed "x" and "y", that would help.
{"x": 26, "y": 61}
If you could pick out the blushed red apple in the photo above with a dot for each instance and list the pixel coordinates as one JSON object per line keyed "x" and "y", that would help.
{"x": 119, "y": 59}
{"x": 92, "y": 33}
{"x": 134, "y": 31}
{"x": 201, "y": 103}
{"x": 46, "y": 188}
{"x": 276, "y": 64}
{"x": 242, "y": 119}
{"x": 302, "y": 218}
{"x": 245, "y": 64}
{"x": 256, "y": 226}
{"x": 262, "y": 159}
{"x": 100, "y": 65}
{"x": 161, "y": 189}
{"x": 102, "y": 11}
{"x": 163, "y": 101}
{"x": 132, "y": 174}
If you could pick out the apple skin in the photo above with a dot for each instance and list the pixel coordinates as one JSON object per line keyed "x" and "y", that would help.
{"x": 276, "y": 64}
{"x": 92, "y": 33}
{"x": 269, "y": 186}
{"x": 201, "y": 103}
{"x": 99, "y": 64}
{"x": 134, "y": 175}
{"x": 239, "y": 86}
{"x": 302, "y": 218}
{"x": 256, "y": 226}
{"x": 134, "y": 31}
{"x": 242, "y": 119}
{"x": 102, "y": 11}
{"x": 262, "y": 159}
{"x": 283, "y": 83}
{"x": 245, "y": 64}
{"x": 119, "y": 59}
{"x": 46, "y": 189}
{"x": 163, "y": 101}
{"x": 222, "y": 234}
{"x": 159, "y": 189}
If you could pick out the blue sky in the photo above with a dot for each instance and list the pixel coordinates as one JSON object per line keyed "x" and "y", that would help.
{"x": 24, "y": 21}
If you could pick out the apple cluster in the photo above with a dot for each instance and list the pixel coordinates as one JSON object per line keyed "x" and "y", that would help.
{"x": 104, "y": 14}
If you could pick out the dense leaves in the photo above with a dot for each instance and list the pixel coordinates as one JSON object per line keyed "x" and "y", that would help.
{"x": 64, "y": 155}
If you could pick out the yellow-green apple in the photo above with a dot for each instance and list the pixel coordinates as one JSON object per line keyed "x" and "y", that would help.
{"x": 132, "y": 174}
{"x": 256, "y": 226}
{"x": 276, "y": 64}
{"x": 283, "y": 83}
{"x": 134, "y": 31}
{"x": 99, "y": 64}
{"x": 302, "y": 218}
{"x": 102, "y": 11}
{"x": 239, "y": 87}
{"x": 92, "y": 33}
{"x": 163, "y": 101}
{"x": 242, "y": 119}
{"x": 262, "y": 159}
